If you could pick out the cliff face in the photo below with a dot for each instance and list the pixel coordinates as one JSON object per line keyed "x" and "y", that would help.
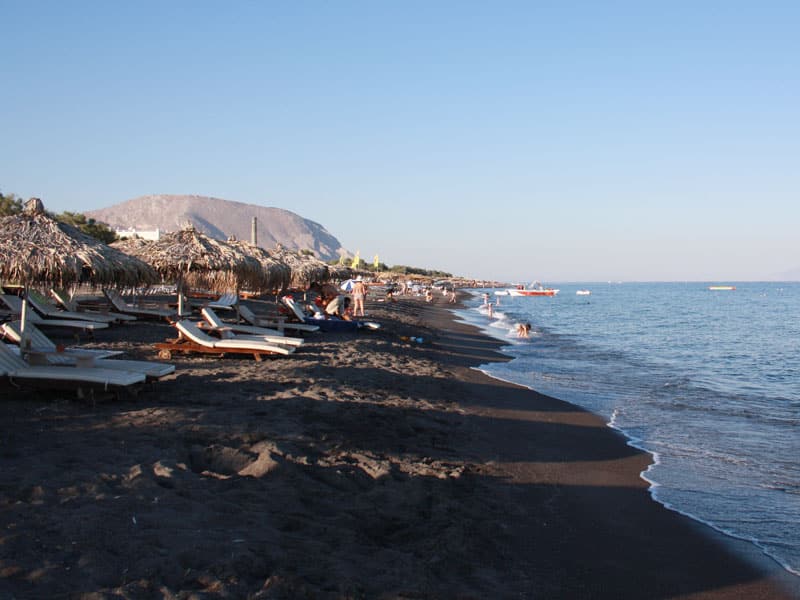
{"x": 222, "y": 219}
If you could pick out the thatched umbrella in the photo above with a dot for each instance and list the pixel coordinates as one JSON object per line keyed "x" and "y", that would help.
{"x": 277, "y": 275}
{"x": 190, "y": 256}
{"x": 306, "y": 269}
{"x": 37, "y": 250}
{"x": 339, "y": 272}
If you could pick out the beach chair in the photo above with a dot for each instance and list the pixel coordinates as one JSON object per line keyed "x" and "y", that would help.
{"x": 87, "y": 357}
{"x": 327, "y": 324}
{"x": 13, "y": 331}
{"x": 18, "y": 373}
{"x": 49, "y": 311}
{"x": 14, "y": 303}
{"x": 120, "y": 305}
{"x": 69, "y": 303}
{"x": 253, "y": 319}
{"x": 192, "y": 339}
{"x": 238, "y": 330}
{"x": 225, "y": 302}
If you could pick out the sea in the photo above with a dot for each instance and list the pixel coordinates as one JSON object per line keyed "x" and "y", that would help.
{"x": 706, "y": 381}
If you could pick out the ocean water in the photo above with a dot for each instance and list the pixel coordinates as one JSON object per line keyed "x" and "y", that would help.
{"x": 706, "y": 381}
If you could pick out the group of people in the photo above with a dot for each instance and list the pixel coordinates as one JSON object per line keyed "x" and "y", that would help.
{"x": 335, "y": 304}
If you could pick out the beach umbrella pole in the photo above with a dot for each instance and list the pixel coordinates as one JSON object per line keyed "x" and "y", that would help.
{"x": 25, "y": 342}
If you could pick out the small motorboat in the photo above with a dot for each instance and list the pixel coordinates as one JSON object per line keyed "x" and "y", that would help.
{"x": 535, "y": 289}
{"x": 721, "y": 288}
{"x": 583, "y": 293}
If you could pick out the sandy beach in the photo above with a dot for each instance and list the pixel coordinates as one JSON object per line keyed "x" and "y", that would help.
{"x": 363, "y": 466}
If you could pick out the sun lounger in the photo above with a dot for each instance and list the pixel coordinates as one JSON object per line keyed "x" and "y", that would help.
{"x": 249, "y": 316}
{"x": 224, "y": 302}
{"x": 49, "y": 311}
{"x": 19, "y": 373}
{"x": 75, "y": 355}
{"x": 329, "y": 323}
{"x": 13, "y": 331}
{"x": 15, "y": 304}
{"x": 68, "y": 303}
{"x": 238, "y": 330}
{"x": 119, "y": 304}
{"x": 77, "y": 358}
{"x": 192, "y": 339}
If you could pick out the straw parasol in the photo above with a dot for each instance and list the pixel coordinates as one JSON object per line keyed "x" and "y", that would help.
{"x": 277, "y": 275}
{"x": 341, "y": 272}
{"x": 192, "y": 257}
{"x": 305, "y": 269}
{"x": 37, "y": 250}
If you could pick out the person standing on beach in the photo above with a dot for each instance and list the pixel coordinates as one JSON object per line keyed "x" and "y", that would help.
{"x": 359, "y": 295}
{"x": 453, "y": 295}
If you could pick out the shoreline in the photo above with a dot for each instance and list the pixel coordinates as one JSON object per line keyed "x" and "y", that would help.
{"x": 767, "y": 569}
{"x": 748, "y": 548}
{"x": 363, "y": 466}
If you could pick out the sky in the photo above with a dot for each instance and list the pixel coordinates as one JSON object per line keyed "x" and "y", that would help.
{"x": 556, "y": 141}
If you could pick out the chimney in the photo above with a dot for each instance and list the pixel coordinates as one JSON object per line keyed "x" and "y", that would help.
{"x": 253, "y": 234}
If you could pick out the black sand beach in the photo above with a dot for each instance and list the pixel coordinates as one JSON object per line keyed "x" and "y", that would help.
{"x": 363, "y": 466}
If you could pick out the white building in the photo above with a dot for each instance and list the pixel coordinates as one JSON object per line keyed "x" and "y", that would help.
{"x": 152, "y": 235}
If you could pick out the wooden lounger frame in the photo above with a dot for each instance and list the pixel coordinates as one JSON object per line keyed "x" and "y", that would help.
{"x": 187, "y": 346}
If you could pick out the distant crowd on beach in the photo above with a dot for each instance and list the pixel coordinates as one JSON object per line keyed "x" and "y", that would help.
{"x": 349, "y": 302}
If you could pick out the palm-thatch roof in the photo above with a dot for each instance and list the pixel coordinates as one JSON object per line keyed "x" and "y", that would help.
{"x": 340, "y": 272}
{"x": 277, "y": 275}
{"x": 305, "y": 269}
{"x": 190, "y": 256}
{"x": 37, "y": 250}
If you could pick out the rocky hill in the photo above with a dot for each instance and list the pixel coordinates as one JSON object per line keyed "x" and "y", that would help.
{"x": 222, "y": 219}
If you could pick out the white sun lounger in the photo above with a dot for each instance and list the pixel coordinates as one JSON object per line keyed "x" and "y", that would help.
{"x": 251, "y": 331}
{"x": 249, "y": 316}
{"x": 225, "y": 301}
{"x": 70, "y": 304}
{"x": 20, "y": 373}
{"x": 74, "y": 356}
{"x": 193, "y": 339}
{"x": 13, "y": 331}
{"x": 118, "y": 302}
{"x": 49, "y": 311}
{"x": 15, "y": 304}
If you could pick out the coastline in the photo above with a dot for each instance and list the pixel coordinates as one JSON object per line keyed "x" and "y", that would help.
{"x": 765, "y": 571}
{"x": 364, "y": 466}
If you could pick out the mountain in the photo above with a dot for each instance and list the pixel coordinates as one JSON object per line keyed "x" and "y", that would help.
{"x": 222, "y": 219}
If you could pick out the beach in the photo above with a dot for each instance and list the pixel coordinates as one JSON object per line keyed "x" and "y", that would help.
{"x": 368, "y": 465}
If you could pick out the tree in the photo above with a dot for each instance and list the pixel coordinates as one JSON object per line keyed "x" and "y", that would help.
{"x": 97, "y": 230}
{"x": 10, "y": 205}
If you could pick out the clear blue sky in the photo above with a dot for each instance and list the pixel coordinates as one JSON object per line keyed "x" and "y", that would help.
{"x": 515, "y": 140}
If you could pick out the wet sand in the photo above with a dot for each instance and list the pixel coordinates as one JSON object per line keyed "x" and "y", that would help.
{"x": 363, "y": 466}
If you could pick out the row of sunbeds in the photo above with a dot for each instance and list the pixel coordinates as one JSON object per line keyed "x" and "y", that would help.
{"x": 40, "y": 361}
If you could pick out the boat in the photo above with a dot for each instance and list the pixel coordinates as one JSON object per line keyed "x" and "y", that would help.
{"x": 583, "y": 293}
{"x": 718, "y": 288}
{"x": 535, "y": 289}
